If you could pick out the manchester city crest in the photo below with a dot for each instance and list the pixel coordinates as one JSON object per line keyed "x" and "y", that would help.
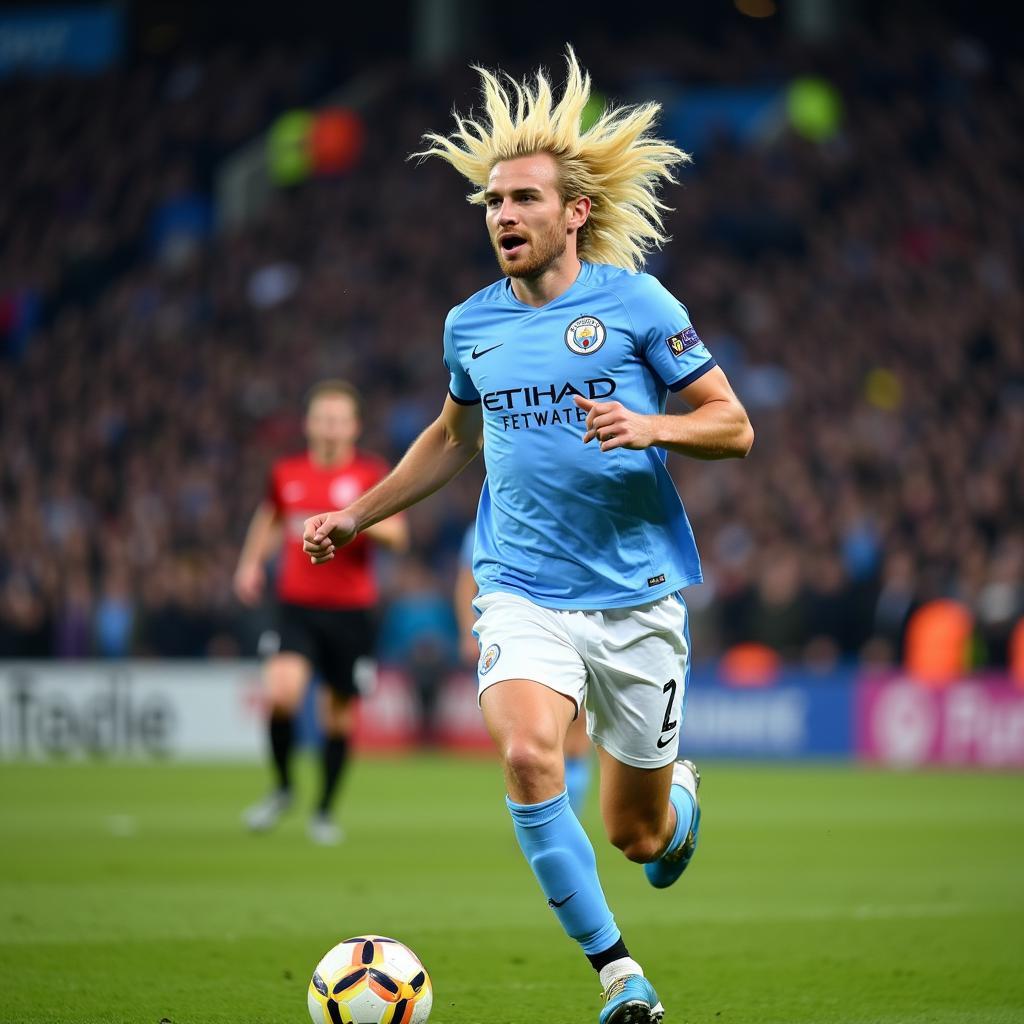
{"x": 584, "y": 335}
{"x": 488, "y": 658}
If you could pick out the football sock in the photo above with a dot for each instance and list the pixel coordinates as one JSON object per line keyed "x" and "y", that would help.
{"x": 613, "y": 954}
{"x": 335, "y": 756}
{"x": 577, "y": 781}
{"x": 619, "y": 969}
{"x": 282, "y": 733}
{"x": 685, "y": 807}
{"x": 558, "y": 850}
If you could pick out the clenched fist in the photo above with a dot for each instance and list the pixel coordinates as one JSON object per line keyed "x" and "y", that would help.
{"x": 615, "y": 426}
{"x": 322, "y": 533}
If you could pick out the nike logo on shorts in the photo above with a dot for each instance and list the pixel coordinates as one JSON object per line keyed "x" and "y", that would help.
{"x": 662, "y": 743}
{"x": 476, "y": 355}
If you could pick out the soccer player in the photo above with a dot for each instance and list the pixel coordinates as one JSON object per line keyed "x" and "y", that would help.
{"x": 324, "y": 619}
{"x": 577, "y": 743}
{"x": 560, "y": 372}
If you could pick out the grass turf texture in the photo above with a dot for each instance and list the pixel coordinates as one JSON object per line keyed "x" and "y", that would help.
{"x": 819, "y": 894}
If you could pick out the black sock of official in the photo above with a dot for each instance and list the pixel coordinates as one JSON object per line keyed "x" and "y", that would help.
{"x": 610, "y": 955}
{"x": 335, "y": 756}
{"x": 282, "y": 734}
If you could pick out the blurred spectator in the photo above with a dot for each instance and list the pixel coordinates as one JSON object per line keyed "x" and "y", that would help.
{"x": 73, "y": 626}
{"x": 115, "y": 616}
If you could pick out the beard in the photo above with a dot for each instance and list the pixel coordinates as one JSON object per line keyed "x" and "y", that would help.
{"x": 544, "y": 250}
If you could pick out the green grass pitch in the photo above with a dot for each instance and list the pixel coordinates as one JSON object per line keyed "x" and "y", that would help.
{"x": 819, "y": 894}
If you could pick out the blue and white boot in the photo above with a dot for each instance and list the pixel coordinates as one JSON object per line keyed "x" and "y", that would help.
{"x": 666, "y": 869}
{"x": 631, "y": 1000}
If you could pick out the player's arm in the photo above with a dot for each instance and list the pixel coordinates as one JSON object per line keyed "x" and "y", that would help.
{"x": 717, "y": 426}
{"x": 445, "y": 448}
{"x": 261, "y": 539}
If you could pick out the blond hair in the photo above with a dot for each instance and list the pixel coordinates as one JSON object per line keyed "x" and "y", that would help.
{"x": 615, "y": 162}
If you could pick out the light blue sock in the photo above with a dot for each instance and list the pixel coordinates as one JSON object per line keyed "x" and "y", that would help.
{"x": 685, "y": 809}
{"x": 562, "y": 858}
{"x": 577, "y": 781}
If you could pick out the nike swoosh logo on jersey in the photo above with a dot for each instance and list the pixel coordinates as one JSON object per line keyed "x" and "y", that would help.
{"x": 477, "y": 355}
{"x": 664, "y": 743}
{"x": 555, "y": 904}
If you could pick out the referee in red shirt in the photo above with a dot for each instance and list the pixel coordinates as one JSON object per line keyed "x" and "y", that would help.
{"x": 324, "y": 618}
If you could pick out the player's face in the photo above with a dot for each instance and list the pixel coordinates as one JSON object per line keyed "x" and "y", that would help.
{"x": 526, "y": 217}
{"x": 332, "y": 423}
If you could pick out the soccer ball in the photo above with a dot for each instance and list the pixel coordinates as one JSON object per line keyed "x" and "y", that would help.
{"x": 370, "y": 980}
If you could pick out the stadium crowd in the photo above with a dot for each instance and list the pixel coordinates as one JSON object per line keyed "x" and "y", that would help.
{"x": 862, "y": 292}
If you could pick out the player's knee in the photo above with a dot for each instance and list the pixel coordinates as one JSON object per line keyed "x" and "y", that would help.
{"x": 337, "y": 730}
{"x": 287, "y": 679}
{"x": 530, "y": 763}
{"x": 637, "y": 843}
{"x": 339, "y": 723}
{"x": 283, "y": 702}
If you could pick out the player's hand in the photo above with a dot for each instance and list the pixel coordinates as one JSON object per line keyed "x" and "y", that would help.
{"x": 614, "y": 425}
{"x": 323, "y": 533}
{"x": 249, "y": 581}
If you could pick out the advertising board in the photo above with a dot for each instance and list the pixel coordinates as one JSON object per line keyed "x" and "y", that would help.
{"x": 900, "y": 722}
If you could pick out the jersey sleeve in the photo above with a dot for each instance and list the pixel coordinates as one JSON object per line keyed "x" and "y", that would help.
{"x": 460, "y": 387}
{"x": 667, "y": 339}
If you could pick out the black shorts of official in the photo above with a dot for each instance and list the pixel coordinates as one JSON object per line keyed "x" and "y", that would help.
{"x": 334, "y": 640}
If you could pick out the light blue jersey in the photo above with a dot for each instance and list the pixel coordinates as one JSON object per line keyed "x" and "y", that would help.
{"x": 562, "y": 523}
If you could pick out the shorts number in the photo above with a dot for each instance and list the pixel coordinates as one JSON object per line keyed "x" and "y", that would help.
{"x": 670, "y": 689}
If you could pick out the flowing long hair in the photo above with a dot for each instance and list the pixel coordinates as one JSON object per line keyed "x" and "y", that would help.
{"x": 616, "y": 162}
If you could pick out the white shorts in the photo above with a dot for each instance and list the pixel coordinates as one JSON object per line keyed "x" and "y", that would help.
{"x": 628, "y": 666}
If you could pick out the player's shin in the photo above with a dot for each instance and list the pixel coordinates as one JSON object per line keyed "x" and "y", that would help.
{"x": 562, "y": 858}
{"x": 335, "y": 756}
{"x": 281, "y": 728}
